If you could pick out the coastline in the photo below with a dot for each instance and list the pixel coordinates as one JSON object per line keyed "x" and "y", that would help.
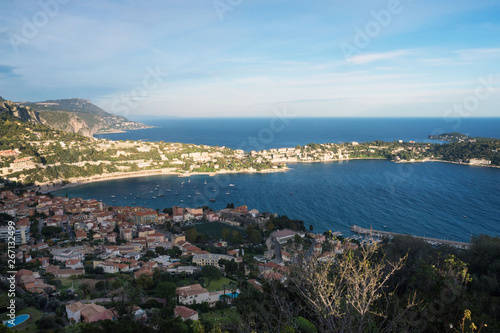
{"x": 444, "y": 161}
{"x": 47, "y": 187}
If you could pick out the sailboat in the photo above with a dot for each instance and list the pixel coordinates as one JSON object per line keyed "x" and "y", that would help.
{"x": 160, "y": 193}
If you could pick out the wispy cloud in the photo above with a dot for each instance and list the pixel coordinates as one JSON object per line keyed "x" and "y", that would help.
{"x": 363, "y": 59}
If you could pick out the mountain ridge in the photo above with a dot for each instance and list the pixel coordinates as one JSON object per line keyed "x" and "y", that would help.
{"x": 73, "y": 115}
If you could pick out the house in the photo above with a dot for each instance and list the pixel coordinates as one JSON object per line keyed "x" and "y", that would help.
{"x": 111, "y": 237}
{"x": 88, "y": 313}
{"x": 73, "y": 311}
{"x": 68, "y": 272}
{"x": 43, "y": 262}
{"x": 74, "y": 263}
{"x": 26, "y": 279}
{"x": 80, "y": 235}
{"x": 212, "y": 259}
{"x": 68, "y": 253}
{"x": 155, "y": 238}
{"x": 282, "y": 236}
{"x": 192, "y": 294}
{"x": 185, "y": 313}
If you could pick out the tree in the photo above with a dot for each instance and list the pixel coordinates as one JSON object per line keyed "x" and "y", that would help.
{"x": 166, "y": 290}
{"x": 256, "y": 237}
{"x": 210, "y": 273}
{"x": 191, "y": 235}
{"x": 297, "y": 239}
{"x": 225, "y": 233}
{"x": 197, "y": 327}
{"x": 236, "y": 237}
{"x": 349, "y": 295}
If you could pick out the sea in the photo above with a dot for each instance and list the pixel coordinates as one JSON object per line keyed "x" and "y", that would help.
{"x": 432, "y": 199}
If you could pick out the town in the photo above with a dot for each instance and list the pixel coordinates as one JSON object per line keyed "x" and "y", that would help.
{"x": 36, "y": 155}
{"x": 77, "y": 258}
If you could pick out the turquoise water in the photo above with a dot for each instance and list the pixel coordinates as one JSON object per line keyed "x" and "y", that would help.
{"x": 18, "y": 320}
{"x": 432, "y": 199}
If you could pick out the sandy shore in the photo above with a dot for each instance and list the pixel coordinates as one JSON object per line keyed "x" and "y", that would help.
{"x": 72, "y": 182}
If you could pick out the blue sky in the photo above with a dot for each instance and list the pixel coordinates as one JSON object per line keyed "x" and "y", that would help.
{"x": 222, "y": 58}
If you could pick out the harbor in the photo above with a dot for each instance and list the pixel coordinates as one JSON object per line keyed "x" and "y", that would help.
{"x": 433, "y": 241}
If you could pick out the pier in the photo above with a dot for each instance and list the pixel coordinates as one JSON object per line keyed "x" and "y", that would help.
{"x": 433, "y": 241}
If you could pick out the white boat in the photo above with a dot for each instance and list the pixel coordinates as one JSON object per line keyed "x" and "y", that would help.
{"x": 227, "y": 193}
{"x": 154, "y": 197}
{"x": 160, "y": 193}
{"x": 205, "y": 182}
{"x": 232, "y": 185}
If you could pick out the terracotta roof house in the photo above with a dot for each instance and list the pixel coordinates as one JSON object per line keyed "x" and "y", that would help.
{"x": 194, "y": 293}
{"x": 88, "y": 313}
{"x": 185, "y": 313}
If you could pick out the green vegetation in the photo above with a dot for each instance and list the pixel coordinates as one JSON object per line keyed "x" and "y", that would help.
{"x": 214, "y": 229}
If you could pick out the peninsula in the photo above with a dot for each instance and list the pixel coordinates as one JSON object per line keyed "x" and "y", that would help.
{"x": 32, "y": 153}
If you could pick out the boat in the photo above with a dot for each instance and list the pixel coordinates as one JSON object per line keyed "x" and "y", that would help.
{"x": 212, "y": 200}
{"x": 227, "y": 193}
{"x": 189, "y": 180}
{"x": 189, "y": 196}
{"x": 113, "y": 196}
{"x": 182, "y": 200}
{"x": 232, "y": 185}
{"x": 205, "y": 182}
{"x": 154, "y": 197}
{"x": 160, "y": 193}
{"x": 137, "y": 196}
{"x": 168, "y": 190}
{"x": 197, "y": 193}
{"x": 195, "y": 187}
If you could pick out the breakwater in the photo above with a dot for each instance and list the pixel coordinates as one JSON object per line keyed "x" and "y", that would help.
{"x": 433, "y": 241}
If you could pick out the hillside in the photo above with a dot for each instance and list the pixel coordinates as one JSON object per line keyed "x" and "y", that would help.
{"x": 81, "y": 116}
{"x": 19, "y": 111}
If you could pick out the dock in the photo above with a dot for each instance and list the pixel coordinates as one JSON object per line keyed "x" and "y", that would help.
{"x": 433, "y": 241}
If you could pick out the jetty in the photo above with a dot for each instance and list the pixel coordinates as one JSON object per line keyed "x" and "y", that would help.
{"x": 433, "y": 241}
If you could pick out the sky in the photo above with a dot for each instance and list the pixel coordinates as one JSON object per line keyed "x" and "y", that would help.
{"x": 253, "y": 58}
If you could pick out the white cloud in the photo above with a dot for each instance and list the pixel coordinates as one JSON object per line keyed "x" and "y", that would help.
{"x": 372, "y": 57}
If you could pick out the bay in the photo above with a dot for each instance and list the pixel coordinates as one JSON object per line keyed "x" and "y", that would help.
{"x": 432, "y": 199}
